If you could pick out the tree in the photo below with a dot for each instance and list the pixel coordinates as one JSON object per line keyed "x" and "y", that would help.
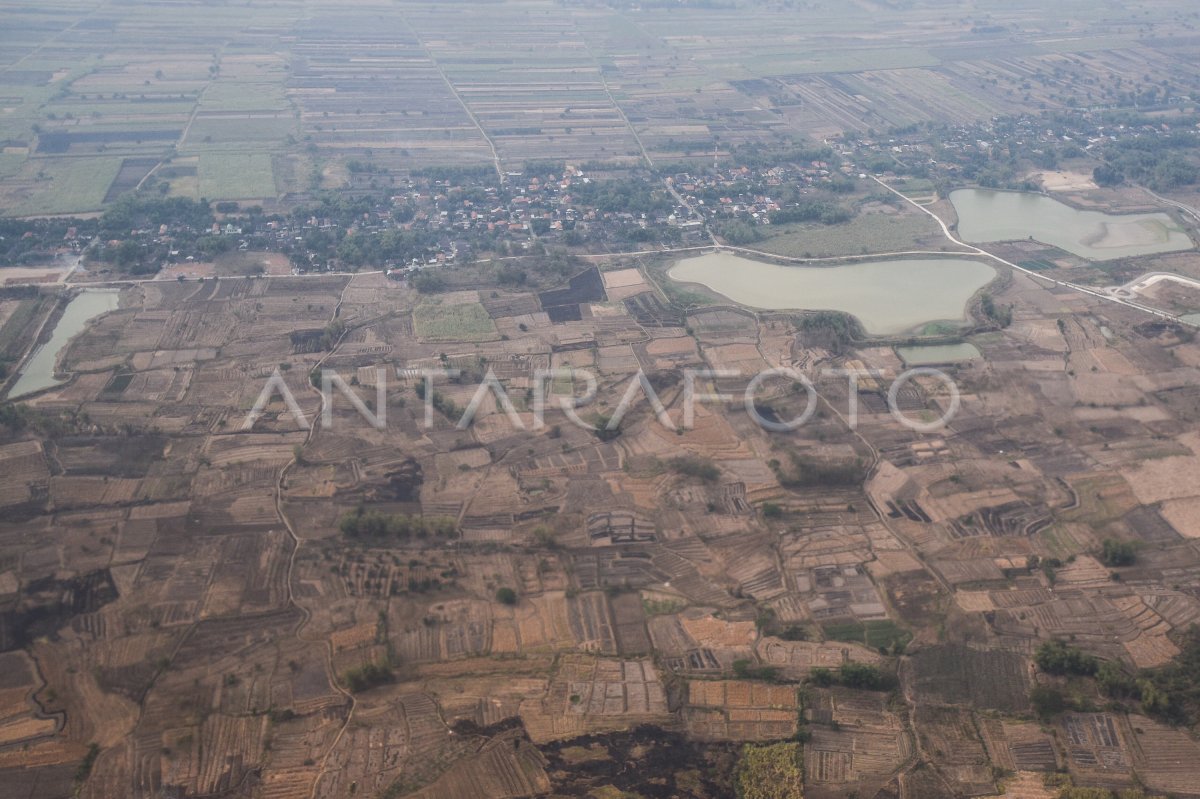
{"x": 1002, "y": 316}
{"x": 1113, "y": 680}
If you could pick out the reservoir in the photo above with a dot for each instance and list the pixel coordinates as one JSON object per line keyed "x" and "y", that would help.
{"x": 989, "y": 216}
{"x": 38, "y": 372}
{"x": 887, "y": 296}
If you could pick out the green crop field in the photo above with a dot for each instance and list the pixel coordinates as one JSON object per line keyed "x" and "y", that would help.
{"x": 15, "y": 325}
{"x": 221, "y": 132}
{"x": 63, "y": 185}
{"x": 238, "y": 96}
{"x": 874, "y": 634}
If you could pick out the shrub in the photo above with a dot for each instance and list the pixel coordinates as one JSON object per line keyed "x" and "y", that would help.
{"x": 369, "y": 675}
{"x": 1118, "y": 553}
{"x": 700, "y": 468}
{"x": 1047, "y": 702}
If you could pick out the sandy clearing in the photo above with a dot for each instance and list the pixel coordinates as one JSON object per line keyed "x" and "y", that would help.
{"x": 1183, "y": 515}
{"x": 1064, "y": 181}
{"x": 31, "y": 274}
{"x": 974, "y": 601}
{"x": 1028, "y": 785}
{"x": 623, "y": 278}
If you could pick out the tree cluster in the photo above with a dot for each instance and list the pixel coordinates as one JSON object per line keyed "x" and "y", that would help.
{"x": 1056, "y": 657}
{"x": 1161, "y": 162}
{"x": 369, "y": 675}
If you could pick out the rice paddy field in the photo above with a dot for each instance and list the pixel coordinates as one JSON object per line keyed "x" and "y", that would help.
{"x": 411, "y": 85}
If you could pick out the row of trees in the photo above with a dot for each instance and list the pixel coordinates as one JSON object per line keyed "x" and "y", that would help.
{"x": 1001, "y": 315}
{"x": 827, "y": 213}
{"x": 363, "y": 523}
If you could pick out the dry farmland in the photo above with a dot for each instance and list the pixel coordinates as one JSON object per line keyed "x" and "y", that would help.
{"x": 422, "y": 607}
{"x": 218, "y": 579}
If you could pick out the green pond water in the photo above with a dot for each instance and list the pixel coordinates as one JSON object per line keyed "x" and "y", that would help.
{"x": 887, "y": 296}
{"x": 38, "y": 372}
{"x": 931, "y": 354}
{"x": 988, "y": 216}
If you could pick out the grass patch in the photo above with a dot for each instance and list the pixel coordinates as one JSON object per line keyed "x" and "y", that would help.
{"x": 684, "y": 297}
{"x": 940, "y": 329}
{"x": 1061, "y": 543}
{"x": 1037, "y": 265}
{"x": 235, "y": 176}
{"x": 868, "y": 233}
{"x": 662, "y": 607}
{"x": 10, "y": 164}
{"x": 12, "y": 339}
{"x": 914, "y": 185}
{"x": 435, "y": 321}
